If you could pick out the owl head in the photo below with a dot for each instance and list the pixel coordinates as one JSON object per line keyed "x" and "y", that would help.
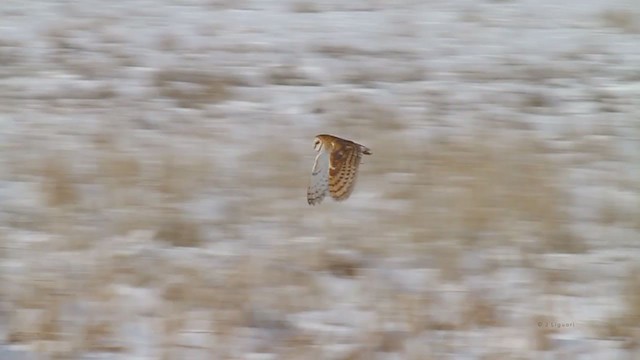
{"x": 317, "y": 144}
{"x": 321, "y": 141}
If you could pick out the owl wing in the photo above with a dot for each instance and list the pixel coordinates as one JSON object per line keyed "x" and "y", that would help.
{"x": 343, "y": 171}
{"x": 319, "y": 184}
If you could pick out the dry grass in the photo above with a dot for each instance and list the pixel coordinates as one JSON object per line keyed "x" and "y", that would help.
{"x": 121, "y": 189}
{"x": 58, "y": 185}
{"x": 289, "y": 75}
{"x": 473, "y": 14}
{"x": 51, "y": 328}
{"x": 462, "y": 194}
{"x": 341, "y": 51}
{"x": 272, "y": 166}
{"x": 543, "y": 332}
{"x": 369, "y": 77}
{"x": 355, "y": 113}
{"x": 624, "y": 326}
{"x": 193, "y": 88}
{"x": 10, "y": 54}
{"x": 480, "y": 312}
{"x": 305, "y": 6}
{"x": 622, "y": 19}
{"x": 291, "y": 289}
{"x": 520, "y": 72}
{"x": 178, "y": 231}
{"x": 477, "y": 186}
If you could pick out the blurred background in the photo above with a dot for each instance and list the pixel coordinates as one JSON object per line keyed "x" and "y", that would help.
{"x": 155, "y": 154}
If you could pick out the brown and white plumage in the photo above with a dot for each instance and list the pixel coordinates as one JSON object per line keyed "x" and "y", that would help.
{"x": 335, "y": 169}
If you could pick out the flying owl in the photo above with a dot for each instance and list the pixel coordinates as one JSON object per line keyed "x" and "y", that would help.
{"x": 335, "y": 169}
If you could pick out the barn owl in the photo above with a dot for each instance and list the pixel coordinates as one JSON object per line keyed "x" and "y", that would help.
{"x": 335, "y": 169}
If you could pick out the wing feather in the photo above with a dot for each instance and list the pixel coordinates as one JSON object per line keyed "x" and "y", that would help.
{"x": 344, "y": 162}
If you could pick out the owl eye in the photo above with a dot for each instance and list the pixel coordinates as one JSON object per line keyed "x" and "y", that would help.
{"x": 317, "y": 145}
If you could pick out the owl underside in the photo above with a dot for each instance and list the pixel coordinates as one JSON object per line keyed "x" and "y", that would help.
{"x": 319, "y": 179}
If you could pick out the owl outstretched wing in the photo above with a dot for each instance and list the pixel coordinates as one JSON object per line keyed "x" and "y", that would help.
{"x": 319, "y": 184}
{"x": 343, "y": 170}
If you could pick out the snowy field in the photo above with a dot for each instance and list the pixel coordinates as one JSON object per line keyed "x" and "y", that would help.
{"x": 154, "y": 158}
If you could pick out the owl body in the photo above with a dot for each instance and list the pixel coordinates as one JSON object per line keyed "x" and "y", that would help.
{"x": 335, "y": 169}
